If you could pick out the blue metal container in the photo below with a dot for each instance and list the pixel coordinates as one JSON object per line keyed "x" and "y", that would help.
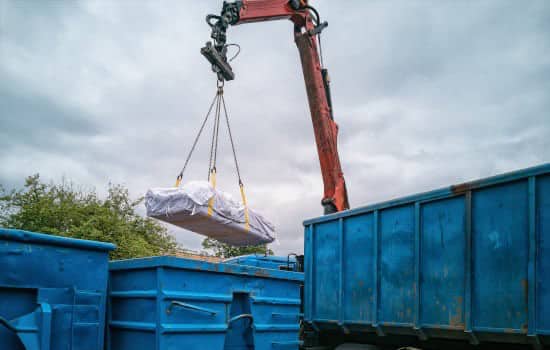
{"x": 469, "y": 262}
{"x": 52, "y": 292}
{"x": 167, "y": 303}
{"x": 287, "y": 263}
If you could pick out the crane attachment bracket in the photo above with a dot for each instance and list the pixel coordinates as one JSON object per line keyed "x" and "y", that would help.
{"x": 218, "y": 61}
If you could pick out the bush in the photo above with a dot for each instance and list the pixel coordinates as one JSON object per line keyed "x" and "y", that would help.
{"x": 65, "y": 210}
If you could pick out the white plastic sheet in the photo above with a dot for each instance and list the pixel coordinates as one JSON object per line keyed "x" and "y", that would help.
{"x": 187, "y": 207}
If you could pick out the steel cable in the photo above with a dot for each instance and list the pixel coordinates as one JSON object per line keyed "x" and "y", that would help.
{"x": 216, "y": 97}
{"x": 232, "y": 142}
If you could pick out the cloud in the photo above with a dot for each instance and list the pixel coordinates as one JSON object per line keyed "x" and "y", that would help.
{"x": 425, "y": 95}
{"x": 31, "y": 117}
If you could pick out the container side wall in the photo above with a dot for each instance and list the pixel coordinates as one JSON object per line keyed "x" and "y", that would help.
{"x": 500, "y": 256}
{"x": 327, "y": 269}
{"x": 359, "y": 284}
{"x": 126, "y": 339}
{"x": 133, "y": 309}
{"x": 397, "y": 272}
{"x": 185, "y": 306}
{"x": 276, "y": 314}
{"x": 543, "y": 254}
{"x": 195, "y": 307}
{"x": 144, "y": 280}
{"x": 441, "y": 266}
{"x": 182, "y": 281}
{"x": 25, "y": 265}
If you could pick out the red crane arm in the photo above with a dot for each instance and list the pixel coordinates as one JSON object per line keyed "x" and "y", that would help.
{"x": 316, "y": 79}
{"x": 264, "y": 10}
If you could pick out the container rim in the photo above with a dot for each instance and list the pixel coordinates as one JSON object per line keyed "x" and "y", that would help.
{"x": 42, "y": 238}
{"x": 191, "y": 264}
{"x": 453, "y": 190}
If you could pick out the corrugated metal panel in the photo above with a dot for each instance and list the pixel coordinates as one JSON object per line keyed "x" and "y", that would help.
{"x": 166, "y": 303}
{"x": 470, "y": 261}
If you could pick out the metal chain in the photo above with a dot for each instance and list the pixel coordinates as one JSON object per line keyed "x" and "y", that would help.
{"x": 217, "y": 131}
{"x": 214, "y": 142}
{"x": 219, "y": 101}
{"x": 216, "y": 98}
{"x": 232, "y": 142}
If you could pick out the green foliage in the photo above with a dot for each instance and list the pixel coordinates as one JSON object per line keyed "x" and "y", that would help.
{"x": 62, "y": 209}
{"x": 223, "y": 250}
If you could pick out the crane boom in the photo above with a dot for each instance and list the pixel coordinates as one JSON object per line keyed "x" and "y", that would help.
{"x": 306, "y": 28}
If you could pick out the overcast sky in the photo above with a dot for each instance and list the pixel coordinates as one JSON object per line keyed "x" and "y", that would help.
{"x": 426, "y": 93}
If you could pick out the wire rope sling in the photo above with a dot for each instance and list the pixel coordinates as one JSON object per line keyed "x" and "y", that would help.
{"x": 199, "y": 206}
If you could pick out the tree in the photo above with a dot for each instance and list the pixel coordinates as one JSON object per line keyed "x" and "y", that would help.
{"x": 223, "y": 250}
{"x": 65, "y": 210}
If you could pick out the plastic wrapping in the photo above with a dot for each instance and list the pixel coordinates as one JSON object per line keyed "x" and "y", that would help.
{"x": 188, "y": 207}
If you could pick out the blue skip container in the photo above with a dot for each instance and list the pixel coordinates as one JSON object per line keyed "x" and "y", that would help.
{"x": 52, "y": 292}
{"x": 167, "y": 303}
{"x": 468, "y": 263}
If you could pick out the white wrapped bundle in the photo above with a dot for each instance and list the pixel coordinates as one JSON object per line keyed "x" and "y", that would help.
{"x": 200, "y": 208}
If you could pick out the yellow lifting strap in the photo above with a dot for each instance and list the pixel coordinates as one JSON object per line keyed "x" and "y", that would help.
{"x": 213, "y": 183}
{"x": 246, "y": 216}
{"x": 178, "y": 180}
